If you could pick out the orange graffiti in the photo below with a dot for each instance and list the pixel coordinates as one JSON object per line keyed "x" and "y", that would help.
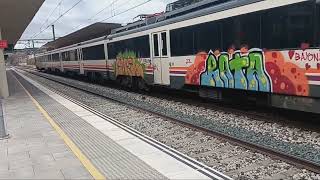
{"x": 129, "y": 67}
{"x": 287, "y": 78}
{"x": 127, "y": 64}
{"x": 194, "y": 71}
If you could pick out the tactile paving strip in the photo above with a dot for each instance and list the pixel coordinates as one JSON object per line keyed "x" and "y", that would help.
{"x": 2, "y": 125}
{"x": 1, "y": 110}
{"x": 111, "y": 159}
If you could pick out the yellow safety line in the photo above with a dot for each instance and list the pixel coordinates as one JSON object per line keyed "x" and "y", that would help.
{"x": 84, "y": 160}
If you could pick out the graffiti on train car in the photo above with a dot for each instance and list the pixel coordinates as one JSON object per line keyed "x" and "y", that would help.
{"x": 241, "y": 71}
{"x": 128, "y": 64}
{"x": 288, "y": 76}
{"x": 283, "y": 72}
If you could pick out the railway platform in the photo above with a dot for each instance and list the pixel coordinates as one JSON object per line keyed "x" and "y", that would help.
{"x": 54, "y": 137}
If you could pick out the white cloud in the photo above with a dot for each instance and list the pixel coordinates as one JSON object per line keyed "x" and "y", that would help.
{"x": 78, "y": 17}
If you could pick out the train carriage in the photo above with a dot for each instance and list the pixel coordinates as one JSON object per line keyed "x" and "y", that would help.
{"x": 93, "y": 60}
{"x": 259, "y": 48}
{"x": 71, "y": 60}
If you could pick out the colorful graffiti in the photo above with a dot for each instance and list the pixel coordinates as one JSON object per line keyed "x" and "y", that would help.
{"x": 283, "y": 72}
{"x": 194, "y": 71}
{"x": 240, "y": 70}
{"x": 127, "y": 64}
{"x": 287, "y": 77}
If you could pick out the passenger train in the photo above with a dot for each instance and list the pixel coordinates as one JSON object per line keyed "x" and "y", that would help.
{"x": 267, "y": 50}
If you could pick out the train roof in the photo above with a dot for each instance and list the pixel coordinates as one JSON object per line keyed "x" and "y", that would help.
{"x": 140, "y": 25}
{"x": 198, "y": 9}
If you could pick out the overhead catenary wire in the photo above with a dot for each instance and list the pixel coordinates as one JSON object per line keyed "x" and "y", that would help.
{"x": 57, "y": 19}
{"x": 106, "y": 7}
{"x": 100, "y": 11}
{"x": 122, "y": 12}
{"x": 50, "y": 14}
{"x": 116, "y": 14}
{"x": 105, "y": 19}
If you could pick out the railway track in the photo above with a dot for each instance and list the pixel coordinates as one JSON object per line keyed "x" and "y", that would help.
{"x": 264, "y": 114}
{"x": 296, "y": 161}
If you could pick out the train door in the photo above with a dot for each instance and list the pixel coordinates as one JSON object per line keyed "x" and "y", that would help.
{"x": 108, "y": 64}
{"x": 80, "y": 58}
{"x": 60, "y": 62}
{"x": 48, "y": 63}
{"x": 160, "y": 56}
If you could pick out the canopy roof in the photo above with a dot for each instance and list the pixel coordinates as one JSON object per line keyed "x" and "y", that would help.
{"x": 15, "y": 16}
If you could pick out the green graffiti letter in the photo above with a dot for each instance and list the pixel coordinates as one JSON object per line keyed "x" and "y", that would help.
{"x": 225, "y": 72}
{"x": 258, "y": 80}
{"x": 237, "y": 64}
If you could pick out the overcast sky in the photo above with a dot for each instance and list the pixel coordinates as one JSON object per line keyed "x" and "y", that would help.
{"x": 79, "y": 16}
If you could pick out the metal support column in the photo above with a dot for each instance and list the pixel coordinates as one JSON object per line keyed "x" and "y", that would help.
{"x": 53, "y": 33}
{"x": 4, "y": 92}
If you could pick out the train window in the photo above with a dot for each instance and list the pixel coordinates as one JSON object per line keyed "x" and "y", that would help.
{"x": 156, "y": 45}
{"x": 55, "y": 57}
{"x": 289, "y": 26}
{"x": 207, "y": 37}
{"x": 93, "y": 53}
{"x": 164, "y": 44}
{"x": 181, "y": 41}
{"x": 112, "y": 52}
{"x": 241, "y": 30}
{"x": 65, "y": 56}
{"x": 249, "y": 32}
{"x": 73, "y": 55}
{"x": 194, "y": 39}
{"x": 228, "y": 33}
{"x": 139, "y": 45}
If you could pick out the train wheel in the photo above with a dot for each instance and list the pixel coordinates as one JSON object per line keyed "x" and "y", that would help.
{"x": 99, "y": 78}
{"x": 142, "y": 85}
{"x": 90, "y": 77}
{"x": 123, "y": 82}
{"x": 126, "y": 82}
{"x": 129, "y": 82}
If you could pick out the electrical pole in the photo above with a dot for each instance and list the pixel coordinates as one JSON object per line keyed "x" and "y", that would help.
{"x": 53, "y": 33}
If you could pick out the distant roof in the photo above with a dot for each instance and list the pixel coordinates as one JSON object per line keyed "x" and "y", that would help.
{"x": 90, "y": 32}
{"x": 15, "y": 15}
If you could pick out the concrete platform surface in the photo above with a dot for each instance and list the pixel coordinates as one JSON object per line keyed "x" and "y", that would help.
{"x": 34, "y": 149}
{"x": 55, "y": 137}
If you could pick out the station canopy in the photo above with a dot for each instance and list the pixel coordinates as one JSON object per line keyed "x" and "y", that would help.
{"x": 93, "y": 31}
{"x": 15, "y": 16}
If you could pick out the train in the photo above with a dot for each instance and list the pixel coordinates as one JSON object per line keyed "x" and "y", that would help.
{"x": 263, "y": 50}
